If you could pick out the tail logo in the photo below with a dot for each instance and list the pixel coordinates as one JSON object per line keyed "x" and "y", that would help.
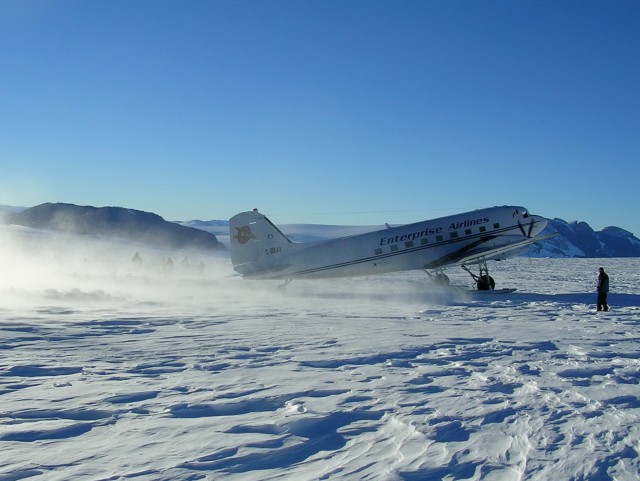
{"x": 244, "y": 234}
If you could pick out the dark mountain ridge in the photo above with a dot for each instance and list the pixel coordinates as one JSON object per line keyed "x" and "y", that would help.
{"x": 578, "y": 239}
{"x": 129, "y": 224}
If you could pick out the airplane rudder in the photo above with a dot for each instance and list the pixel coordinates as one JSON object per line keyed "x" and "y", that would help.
{"x": 269, "y": 232}
{"x": 244, "y": 241}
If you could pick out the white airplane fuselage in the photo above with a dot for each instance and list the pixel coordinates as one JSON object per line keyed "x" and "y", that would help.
{"x": 259, "y": 250}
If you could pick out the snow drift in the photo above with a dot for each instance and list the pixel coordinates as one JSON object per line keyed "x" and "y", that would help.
{"x": 111, "y": 371}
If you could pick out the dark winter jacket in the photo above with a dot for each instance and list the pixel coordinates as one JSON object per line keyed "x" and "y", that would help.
{"x": 603, "y": 283}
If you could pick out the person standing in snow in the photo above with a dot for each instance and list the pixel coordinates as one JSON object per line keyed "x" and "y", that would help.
{"x": 603, "y": 289}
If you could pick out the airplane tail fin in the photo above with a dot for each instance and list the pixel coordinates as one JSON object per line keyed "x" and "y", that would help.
{"x": 257, "y": 246}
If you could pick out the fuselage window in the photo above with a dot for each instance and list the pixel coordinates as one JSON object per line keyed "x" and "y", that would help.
{"x": 378, "y": 252}
{"x": 453, "y": 235}
{"x": 424, "y": 241}
{"x": 408, "y": 244}
{"x": 467, "y": 232}
{"x": 394, "y": 248}
{"x": 496, "y": 226}
{"x": 438, "y": 238}
{"x": 483, "y": 228}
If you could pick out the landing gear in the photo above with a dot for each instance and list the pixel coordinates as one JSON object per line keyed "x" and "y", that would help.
{"x": 484, "y": 282}
{"x": 439, "y": 277}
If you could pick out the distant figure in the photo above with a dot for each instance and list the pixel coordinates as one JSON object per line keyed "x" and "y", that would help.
{"x": 136, "y": 260}
{"x": 603, "y": 289}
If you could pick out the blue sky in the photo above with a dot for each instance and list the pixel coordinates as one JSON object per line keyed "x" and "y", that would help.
{"x": 343, "y": 112}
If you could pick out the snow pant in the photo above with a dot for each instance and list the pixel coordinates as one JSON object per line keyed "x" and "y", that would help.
{"x": 602, "y": 301}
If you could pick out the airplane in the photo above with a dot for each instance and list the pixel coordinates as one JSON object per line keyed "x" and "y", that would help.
{"x": 259, "y": 250}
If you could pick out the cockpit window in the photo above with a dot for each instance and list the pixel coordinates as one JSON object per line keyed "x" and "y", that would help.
{"x": 525, "y": 214}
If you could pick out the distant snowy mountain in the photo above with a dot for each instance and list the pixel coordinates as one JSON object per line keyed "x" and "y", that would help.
{"x": 115, "y": 222}
{"x": 578, "y": 239}
{"x": 215, "y": 227}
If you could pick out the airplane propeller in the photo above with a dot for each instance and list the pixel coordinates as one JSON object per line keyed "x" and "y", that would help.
{"x": 528, "y": 232}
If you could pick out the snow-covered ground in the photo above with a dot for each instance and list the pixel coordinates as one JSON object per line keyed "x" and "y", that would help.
{"x": 151, "y": 373}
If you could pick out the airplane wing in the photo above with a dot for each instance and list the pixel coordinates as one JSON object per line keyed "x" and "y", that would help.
{"x": 454, "y": 257}
{"x": 497, "y": 253}
{"x": 475, "y": 252}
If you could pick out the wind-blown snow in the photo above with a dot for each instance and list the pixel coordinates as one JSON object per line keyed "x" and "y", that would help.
{"x": 171, "y": 375}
